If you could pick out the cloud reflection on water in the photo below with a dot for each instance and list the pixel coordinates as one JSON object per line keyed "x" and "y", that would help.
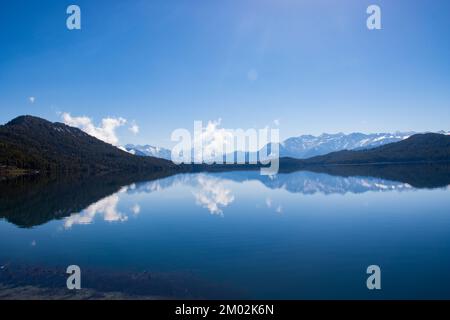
{"x": 212, "y": 194}
{"x": 212, "y": 191}
{"x": 209, "y": 192}
{"x": 106, "y": 207}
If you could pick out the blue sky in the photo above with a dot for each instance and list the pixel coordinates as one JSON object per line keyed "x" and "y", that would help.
{"x": 311, "y": 65}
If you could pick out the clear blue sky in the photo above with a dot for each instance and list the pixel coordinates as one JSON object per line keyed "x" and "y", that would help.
{"x": 312, "y": 64}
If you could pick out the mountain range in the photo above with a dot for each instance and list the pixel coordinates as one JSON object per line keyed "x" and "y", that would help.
{"x": 307, "y": 146}
{"x": 304, "y": 146}
{"x": 32, "y": 143}
{"x": 426, "y": 147}
{"x": 148, "y": 150}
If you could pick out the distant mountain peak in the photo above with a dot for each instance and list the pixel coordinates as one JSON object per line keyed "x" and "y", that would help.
{"x": 306, "y": 146}
{"x": 419, "y": 148}
{"x": 149, "y": 150}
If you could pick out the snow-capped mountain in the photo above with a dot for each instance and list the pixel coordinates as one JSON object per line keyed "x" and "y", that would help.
{"x": 307, "y": 146}
{"x": 149, "y": 151}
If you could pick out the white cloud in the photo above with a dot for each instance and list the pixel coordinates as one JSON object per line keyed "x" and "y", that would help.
{"x": 134, "y": 128}
{"x": 32, "y": 99}
{"x": 213, "y": 140}
{"x": 105, "y": 132}
{"x": 212, "y": 194}
{"x": 106, "y": 207}
{"x": 277, "y": 122}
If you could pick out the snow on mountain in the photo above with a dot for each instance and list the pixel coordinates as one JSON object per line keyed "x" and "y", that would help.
{"x": 307, "y": 146}
{"x": 148, "y": 150}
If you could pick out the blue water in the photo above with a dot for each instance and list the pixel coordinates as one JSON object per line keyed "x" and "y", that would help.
{"x": 294, "y": 236}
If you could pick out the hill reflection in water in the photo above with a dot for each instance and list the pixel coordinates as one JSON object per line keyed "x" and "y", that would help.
{"x": 230, "y": 234}
{"x": 32, "y": 201}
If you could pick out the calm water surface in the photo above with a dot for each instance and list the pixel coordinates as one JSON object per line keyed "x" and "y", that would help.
{"x": 298, "y": 235}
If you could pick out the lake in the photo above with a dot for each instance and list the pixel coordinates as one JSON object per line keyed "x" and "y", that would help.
{"x": 231, "y": 235}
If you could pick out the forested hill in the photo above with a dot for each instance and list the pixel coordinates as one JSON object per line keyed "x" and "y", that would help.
{"x": 29, "y": 142}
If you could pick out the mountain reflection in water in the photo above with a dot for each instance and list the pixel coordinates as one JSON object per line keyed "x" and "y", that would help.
{"x": 31, "y": 201}
{"x": 233, "y": 234}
